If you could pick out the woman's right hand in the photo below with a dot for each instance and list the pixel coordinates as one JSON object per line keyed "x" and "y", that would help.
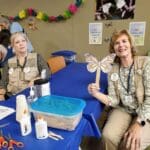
{"x": 93, "y": 89}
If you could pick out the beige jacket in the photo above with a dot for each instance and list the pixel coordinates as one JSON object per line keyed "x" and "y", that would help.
{"x": 139, "y": 63}
{"x": 19, "y": 78}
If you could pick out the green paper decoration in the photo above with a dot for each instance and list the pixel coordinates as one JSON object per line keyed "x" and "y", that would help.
{"x": 25, "y": 13}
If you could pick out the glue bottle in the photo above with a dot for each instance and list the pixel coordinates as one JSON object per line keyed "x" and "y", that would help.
{"x": 25, "y": 124}
{"x": 41, "y": 128}
{"x": 21, "y": 106}
{"x": 33, "y": 96}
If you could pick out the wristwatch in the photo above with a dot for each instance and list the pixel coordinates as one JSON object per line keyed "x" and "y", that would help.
{"x": 141, "y": 122}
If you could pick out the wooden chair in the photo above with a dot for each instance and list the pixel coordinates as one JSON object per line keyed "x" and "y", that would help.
{"x": 56, "y": 63}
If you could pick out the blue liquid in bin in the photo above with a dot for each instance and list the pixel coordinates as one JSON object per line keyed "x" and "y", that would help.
{"x": 58, "y": 105}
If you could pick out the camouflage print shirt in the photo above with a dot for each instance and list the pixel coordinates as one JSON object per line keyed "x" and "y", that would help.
{"x": 126, "y": 87}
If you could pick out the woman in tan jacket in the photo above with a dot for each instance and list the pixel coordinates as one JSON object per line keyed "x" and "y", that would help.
{"x": 21, "y": 70}
{"x": 128, "y": 124}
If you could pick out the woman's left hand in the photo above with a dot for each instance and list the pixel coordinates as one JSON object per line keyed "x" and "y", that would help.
{"x": 31, "y": 83}
{"x": 132, "y": 137}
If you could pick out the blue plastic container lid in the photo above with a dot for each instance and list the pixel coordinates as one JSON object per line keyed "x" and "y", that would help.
{"x": 59, "y": 105}
{"x": 65, "y": 53}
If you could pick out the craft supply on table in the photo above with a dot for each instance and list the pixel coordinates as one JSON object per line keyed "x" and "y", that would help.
{"x": 13, "y": 143}
{"x": 55, "y": 136}
{"x": 41, "y": 128}
{"x": 21, "y": 105}
{"x": 32, "y": 95}
{"x": 25, "y": 124}
{"x": 42, "y": 87}
{"x": 3, "y": 142}
{"x": 59, "y": 112}
{"x": 94, "y": 65}
{"x": 5, "y": 111}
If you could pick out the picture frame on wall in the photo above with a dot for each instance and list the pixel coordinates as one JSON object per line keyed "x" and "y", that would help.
{"x": 114, "y": 9}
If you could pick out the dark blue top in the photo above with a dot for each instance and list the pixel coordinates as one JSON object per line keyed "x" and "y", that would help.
{"x": 9, "y": 55}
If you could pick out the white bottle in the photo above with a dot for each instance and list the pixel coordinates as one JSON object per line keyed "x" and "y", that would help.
{"x": 25, "y": 124}
{"x": 41, "y": 128}
{"x": 32, "y": 95}
{"x": 21, "y": 106}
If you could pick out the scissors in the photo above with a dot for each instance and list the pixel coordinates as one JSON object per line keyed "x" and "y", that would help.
{"x": 3, "y": 142}
{"x": 12, "y": 143}
{"x": 55, "y": 136}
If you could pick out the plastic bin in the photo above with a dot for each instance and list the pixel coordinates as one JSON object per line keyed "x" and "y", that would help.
{"x": 70, "y": 56}
{"x": 59, "y": 112}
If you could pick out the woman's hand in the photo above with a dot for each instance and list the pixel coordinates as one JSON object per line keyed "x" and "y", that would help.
{"x": 93, "y": 89}
{"x": 31, "y": 83}
{"x": 132, "y": 137}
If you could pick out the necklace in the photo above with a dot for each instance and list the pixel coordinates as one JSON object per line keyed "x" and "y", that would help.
{"x": 128, "y": 79}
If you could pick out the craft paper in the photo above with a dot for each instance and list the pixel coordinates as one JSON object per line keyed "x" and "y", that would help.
{"x": 5, "y": 111}
{"x": 95, "y": 65}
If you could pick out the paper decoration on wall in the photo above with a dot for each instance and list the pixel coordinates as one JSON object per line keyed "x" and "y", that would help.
{"x": 96, "y": 66}
{"x": 137, "y": 30}
{"x": 25, "y": 13}
{"x": 109, "y": 24}
{"x": 107, "y": 39}
{"x": 95, "y": 33}
{"x": 32, "y": 23}
{"x": 114, "y": 9}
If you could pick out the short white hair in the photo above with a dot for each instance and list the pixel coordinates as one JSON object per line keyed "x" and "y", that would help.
{"x": 14, "y": 35}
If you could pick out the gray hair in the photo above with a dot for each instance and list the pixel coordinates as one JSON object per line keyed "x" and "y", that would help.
{"x": 14, "y": 35}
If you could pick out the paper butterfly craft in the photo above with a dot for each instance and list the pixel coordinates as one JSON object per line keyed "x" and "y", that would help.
{"x": 95, "y": 65}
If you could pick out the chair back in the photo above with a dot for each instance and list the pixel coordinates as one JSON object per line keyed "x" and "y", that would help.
{"x": 56, "y": 63}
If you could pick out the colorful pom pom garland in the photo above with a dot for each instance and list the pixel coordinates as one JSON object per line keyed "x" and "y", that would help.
{"x": 25, "y": 13}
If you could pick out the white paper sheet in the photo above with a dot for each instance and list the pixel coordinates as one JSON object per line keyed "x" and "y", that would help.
{"x": 5, "y": 111}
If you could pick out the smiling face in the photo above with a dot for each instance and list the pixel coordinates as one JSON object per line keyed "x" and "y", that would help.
{"x": 122, "y": 46}
{"x": 121, "y": 43}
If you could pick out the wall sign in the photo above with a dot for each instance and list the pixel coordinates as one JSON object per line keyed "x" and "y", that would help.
{"x": 95, "y": 33}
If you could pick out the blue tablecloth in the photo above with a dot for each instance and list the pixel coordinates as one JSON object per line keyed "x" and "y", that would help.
{"x": 72, "y": 81}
